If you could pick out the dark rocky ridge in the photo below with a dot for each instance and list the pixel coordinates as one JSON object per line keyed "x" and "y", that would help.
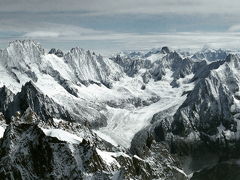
{"x": 45, "y": 107}
{"x": 58, "y": 52}
{"x": 6, "y": 97}
{"x": 31, "y": 96}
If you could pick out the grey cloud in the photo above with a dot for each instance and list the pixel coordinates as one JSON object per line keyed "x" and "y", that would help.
{"x": 95, "y": 7}
{"x": 234, "y": 28}
{"x": 34, "y": 19}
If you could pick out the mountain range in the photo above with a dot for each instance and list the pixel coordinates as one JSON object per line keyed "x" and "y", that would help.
{"x": 162, "y": 114}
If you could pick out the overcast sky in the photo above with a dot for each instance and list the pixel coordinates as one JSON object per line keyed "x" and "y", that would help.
{"x": 110, "y": 25}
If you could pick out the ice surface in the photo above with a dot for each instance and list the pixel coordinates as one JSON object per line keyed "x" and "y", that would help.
{"x": 124, "y": 123}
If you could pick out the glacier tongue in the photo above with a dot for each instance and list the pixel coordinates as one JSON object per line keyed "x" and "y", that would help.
{"x": 124, "y": 123}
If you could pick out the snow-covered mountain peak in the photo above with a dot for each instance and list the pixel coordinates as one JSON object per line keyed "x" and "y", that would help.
{"x": 21, "y": 54}
{"x": 24, "y": 43}
{"x": 25, "y": 47}
{"x": 88, "y": 66}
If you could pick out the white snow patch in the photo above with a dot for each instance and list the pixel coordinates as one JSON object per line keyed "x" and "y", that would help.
{"x": 108, "y": 157}
{"x": 179, "y": 170}
{"x": 2, "y": 130}
{"x": 63, "y": 135}
{"x": 57, "y": 121}
{"x": 137, "y": 157}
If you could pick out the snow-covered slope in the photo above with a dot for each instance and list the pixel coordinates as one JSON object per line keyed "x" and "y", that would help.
{"x": 58, "y": 77}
